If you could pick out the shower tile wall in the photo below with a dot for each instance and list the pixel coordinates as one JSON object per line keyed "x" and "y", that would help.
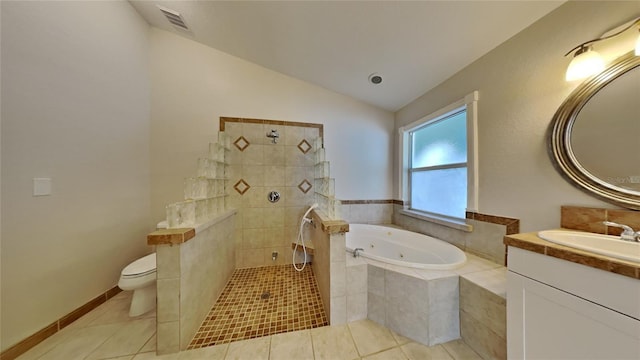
{"x": 258, "y": 166}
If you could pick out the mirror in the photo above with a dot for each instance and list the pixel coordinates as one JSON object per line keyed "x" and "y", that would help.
{"x": 594, "y": 137}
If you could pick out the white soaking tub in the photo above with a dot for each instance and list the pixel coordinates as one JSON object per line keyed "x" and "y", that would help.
{"x": 402, "y": 247}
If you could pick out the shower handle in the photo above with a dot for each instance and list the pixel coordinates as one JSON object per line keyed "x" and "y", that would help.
{"x": 307, "y": 219}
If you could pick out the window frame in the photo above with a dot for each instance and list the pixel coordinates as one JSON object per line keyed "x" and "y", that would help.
{"x": 470, "y": 104}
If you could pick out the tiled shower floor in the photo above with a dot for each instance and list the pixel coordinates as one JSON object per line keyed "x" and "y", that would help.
{"x": 263, "y": 301}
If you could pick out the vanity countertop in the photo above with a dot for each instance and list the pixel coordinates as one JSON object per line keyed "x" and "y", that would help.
{"x": 531, "y": 242}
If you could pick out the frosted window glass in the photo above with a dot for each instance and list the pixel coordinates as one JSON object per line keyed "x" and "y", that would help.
{"x": 441, "y": 143}
{"x": 440, "y": 191}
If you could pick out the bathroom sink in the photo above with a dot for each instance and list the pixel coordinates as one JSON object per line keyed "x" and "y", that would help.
{"x": 600, "y": 244}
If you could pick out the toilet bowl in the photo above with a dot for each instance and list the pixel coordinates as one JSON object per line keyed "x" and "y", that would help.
{"x": 140, "y": 276}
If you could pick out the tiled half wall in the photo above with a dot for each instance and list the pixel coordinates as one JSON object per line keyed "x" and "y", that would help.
{"x": 258, "y": 166}
{"x": 192, "y": 270}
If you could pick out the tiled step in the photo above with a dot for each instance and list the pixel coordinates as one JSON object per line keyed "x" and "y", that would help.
{"x": 483, "y": 312}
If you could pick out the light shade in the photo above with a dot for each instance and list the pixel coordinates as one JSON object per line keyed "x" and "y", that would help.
{"x": 586, "y": 62}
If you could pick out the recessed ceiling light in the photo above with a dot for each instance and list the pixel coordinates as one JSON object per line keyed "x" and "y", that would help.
{"x": 375, "y": 79}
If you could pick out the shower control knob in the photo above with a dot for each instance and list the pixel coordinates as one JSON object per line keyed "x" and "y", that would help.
{"x": 273, "y": 196}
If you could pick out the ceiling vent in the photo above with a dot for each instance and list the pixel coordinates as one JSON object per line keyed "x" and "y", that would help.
{"x": 174, "y": 18}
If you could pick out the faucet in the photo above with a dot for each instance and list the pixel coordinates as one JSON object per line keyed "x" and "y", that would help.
{"x": 273, "y": 135}
{"x": 355, "y": 251}
{"x": 627, "y": 234}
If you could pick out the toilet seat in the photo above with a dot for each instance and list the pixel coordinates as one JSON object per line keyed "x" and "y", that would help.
{"x": 141, "y": 267}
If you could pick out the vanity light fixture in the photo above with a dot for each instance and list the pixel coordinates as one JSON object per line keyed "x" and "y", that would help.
{"x": 587, "y": 62}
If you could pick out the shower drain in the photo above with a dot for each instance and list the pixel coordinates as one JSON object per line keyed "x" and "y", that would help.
{"x": 265, "y": 295}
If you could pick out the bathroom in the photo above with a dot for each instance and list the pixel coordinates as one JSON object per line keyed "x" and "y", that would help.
{"x": 117, "y": 155}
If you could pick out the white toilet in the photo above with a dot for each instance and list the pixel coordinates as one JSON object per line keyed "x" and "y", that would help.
{"x": 140, "y": 276}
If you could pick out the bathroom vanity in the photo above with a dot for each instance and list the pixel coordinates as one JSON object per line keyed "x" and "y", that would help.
{"x": 564, "y": 303}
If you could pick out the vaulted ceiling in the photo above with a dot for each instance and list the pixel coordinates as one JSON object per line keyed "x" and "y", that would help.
{"x": 413, "y": 45}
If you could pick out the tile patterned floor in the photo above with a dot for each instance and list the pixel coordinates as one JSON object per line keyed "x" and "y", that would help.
{"x": 107, "y": 332}
{"x": 262, "y": 301}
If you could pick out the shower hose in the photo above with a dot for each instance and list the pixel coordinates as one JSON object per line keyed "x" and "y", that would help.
{"x": 300, "y": 239}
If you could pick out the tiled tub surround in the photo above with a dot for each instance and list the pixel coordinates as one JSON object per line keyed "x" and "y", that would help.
{"x": 367, "y": 211}
{"x": 425, "y": 310}
{"x": 193, "y": 266}
{"x": 483, "y": 312}
{"x": 486, "y": 239}
{"x": 429, "y": 306}
{"x": 436, "y": 306}
{"x": 258, "y": 166}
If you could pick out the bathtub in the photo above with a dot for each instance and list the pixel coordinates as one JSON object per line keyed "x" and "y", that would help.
{"x": 402, "y": 247}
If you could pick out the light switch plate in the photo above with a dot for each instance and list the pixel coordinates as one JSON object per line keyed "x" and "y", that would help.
{"x": 41, "y": 186}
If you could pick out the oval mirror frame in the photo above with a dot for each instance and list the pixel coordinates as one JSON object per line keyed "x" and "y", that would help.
{"x": 559, "y": 146}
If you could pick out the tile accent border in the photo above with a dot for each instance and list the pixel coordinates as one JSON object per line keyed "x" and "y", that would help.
{"x": 531, "y": 242}
{"x": 305, "y": 186}
{"x": 304, "y": 146}
{"x": 365, "y": 202}
{"x": 241, "y": 143}
{"x": 590, "y": 219}
{"x": 224, "y": 120}
{"x": 334, "y": 226}
{"x": 41, "y": 335}
{"x": 512, "y": 224}
{"x": 171, "y": 236}
{"x": 241, "y": 190}
{"x": 583, "y": 219}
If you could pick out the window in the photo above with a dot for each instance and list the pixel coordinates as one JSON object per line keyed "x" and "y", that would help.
{"x": 439, "y": 169}
{"x": 438, "y": 166}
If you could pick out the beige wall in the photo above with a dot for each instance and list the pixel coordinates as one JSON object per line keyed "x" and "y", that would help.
{"x": 194, "y": 85}
{"x": 75, "y": 96}
{"x": 521, "y": 84}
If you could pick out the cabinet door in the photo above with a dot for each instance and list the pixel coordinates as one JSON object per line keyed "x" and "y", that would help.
{"x": 546, "y": 323}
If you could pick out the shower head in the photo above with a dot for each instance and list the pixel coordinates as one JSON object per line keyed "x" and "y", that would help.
{"x": 273, "y": 135}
